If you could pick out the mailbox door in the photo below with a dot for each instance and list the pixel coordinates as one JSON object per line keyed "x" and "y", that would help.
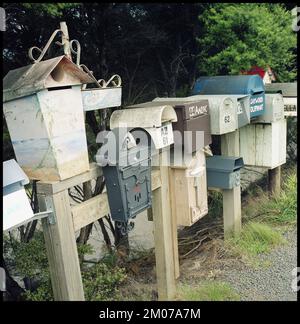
{"x": 243, "y": 111}
{"x": 189, "y": 193}
{"x": 136, "y": 181}
{"x": 274, "y": 109}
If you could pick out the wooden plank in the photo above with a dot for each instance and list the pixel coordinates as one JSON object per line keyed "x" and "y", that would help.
{"x": 155, "y": 179}
{"x": 61, "y": 248}
{"x": 53, "y": 187}
{"x": 90, "y": 211}
{"x": 232, "y": 214}
{"x": 163, "y": 238}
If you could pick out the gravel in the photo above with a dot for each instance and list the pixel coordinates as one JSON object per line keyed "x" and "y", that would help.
{"x": 271, "y": 282}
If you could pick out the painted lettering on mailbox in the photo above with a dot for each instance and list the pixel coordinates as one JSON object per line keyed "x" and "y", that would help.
{"x": 196, "y": 110}
{"x": 256, "y": 104}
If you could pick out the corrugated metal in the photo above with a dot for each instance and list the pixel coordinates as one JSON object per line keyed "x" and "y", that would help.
{"x": 32, "y": 78}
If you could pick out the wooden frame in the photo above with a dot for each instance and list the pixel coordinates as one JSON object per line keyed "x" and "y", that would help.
{"x": 60, "y": 236}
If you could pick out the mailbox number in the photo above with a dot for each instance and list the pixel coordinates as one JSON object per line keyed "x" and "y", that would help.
{"x": 227, "y": 119}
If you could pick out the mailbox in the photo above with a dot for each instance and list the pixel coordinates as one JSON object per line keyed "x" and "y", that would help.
{"x": 223, "y": 172}
{"x": 188, "y": 189}
{"x": 156, "y": 120}
{"x": 192, "y": 116}
{"x": 45, "y": 118}
{"x": 104, "y": 97}
{"x": 127, "y": 171}
{"x": 16, "y": 206}
{"x": 264, "y": 145}
{"x": 222, "y": 111}
{"x": 274, "y": 109}
{"x": 289, "y": 93}
{"x": 251, "y": 85}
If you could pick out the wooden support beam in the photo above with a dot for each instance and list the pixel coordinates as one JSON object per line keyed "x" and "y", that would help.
{"x": 163, "y": 237}
{"x": 90, "y": 211}
{"x": 61, "y": 248}
{"x": 232, "y": 213}
{"x": 274, "y": 183}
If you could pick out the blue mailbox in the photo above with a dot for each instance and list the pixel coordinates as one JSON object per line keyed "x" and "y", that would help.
{"x": 251, "y": 85}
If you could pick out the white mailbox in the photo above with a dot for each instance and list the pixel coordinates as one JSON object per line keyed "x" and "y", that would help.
{"x": 274, "y": 110}
{"x": 264, "y": 145}
{"x": 45, "y": 118}
{"x": 156, "y": 120}
{"x": 222, "y": 110}
{"x": 103, "y": 97}
{"x": 16, "y": 206}
{"x": 188, "y": 189}
{"x": 242, "y": 109}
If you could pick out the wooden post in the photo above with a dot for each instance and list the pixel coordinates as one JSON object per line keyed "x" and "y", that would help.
{"x": 164, "y": 236}
{"x": 61, "y": 247}
{"x": 65, "y": 40}
{"x": 274, "y": 183}
{"x": 232, "y": 214}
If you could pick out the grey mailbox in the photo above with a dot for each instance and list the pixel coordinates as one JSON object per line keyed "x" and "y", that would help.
{"x": 127, "y": 170}
{"x": 223, "y": 172}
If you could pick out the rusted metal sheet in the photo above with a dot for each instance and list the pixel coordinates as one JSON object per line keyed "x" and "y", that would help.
{"x": 56, "y": 72}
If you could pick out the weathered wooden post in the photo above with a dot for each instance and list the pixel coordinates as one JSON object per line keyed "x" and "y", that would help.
{"x": 164, "y": 235}
{"x": 232, "y": 214}
{"x": 274, "y": 181}
{"x": 61, "y": 246}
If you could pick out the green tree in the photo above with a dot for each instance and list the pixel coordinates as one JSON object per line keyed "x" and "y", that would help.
{"x": 238, "y": 36}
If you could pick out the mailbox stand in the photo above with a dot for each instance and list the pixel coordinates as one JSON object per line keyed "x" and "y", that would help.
{"x": 60, "y": 237}
{"x": 232, "y": 213}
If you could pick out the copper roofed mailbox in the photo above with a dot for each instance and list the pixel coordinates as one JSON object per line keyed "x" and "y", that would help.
{"x": 44, "y": 114}
{"x": 156, "y": 120}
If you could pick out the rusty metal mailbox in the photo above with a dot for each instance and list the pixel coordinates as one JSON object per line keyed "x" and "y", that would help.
{"x": 45, "y": 118}
{"x": 127, "y": 171}
{"x": 223, "y": 172}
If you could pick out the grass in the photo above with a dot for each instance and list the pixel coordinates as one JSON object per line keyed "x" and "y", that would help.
{"x": 207, "y": 291}
{"x": 282, "y": 210}
{"x": 254, "y": 239}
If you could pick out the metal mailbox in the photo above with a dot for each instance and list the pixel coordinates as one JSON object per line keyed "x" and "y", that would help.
{"x": 104, "y": 96}
{"x": 274, "y": 109}
{"x": 156, "y": 120}
{"x": 289, "y": 93}
{"x": 45, "y": 118}
{"x": 188, "y": 189}
{"x": 127, "y": 171}
{"x": 16, "y": 206}
{"x": 264, "y": 145}
{"x": 223, "y": 172}
{"x": 222, "y": 111}
{"x": 192, "y": 116}
{"x": 251, "y": 85}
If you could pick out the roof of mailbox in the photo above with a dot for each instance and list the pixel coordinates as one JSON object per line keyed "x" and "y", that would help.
{"x": 229, "y": 84}
{"x": 55, "y": 72}
{"x": 144, "y": 117}
{"x": 224, "y": 163}
{"x": 288, "y": 89}
{"x": 12, "y": 173}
